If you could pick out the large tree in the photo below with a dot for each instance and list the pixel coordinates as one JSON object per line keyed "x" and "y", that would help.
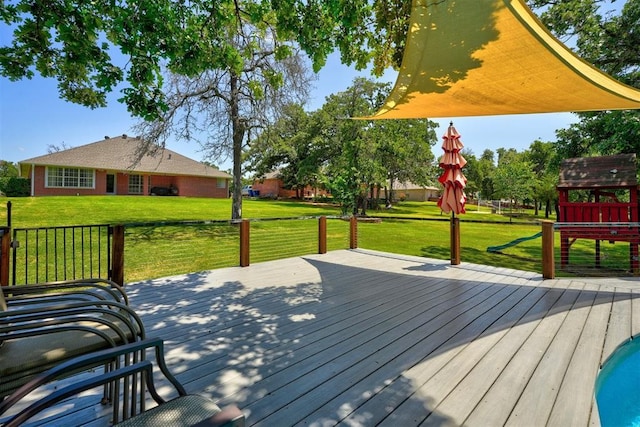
{"x": 545, "y": 167}
{"x": 404, "y": 151}
{"x": 295, "y": 146}
{"x": 223, "y": 108}
{"x": 514, "y": 180}
{"x": 365, "y": 154}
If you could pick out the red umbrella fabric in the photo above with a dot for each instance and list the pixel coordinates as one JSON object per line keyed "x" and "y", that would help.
{"x": 453, "y": 198}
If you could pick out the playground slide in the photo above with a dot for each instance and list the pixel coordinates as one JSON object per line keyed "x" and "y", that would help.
{"x": 497, "y": 249}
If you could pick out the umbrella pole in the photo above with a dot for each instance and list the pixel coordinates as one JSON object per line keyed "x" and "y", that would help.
{"x": 455, "y": 239}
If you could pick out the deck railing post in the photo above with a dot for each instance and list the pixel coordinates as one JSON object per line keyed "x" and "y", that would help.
{"x": 322, "y": 235}
{"x": 117, "y": 254}
{"x": 244, "y": 243}
{"x": 5, "y": 252}
{"x": 353, "y": 233}
{"x": 455, "y": 241}
{"x": 548, "y": 261}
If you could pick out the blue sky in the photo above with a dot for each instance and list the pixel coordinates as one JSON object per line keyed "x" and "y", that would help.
{"x": 32, "y": 117}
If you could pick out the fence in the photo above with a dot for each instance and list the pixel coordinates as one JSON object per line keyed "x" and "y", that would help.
{"x": 135, "y": 252}
{"x": 141, "y": 251}
{"x": 431, "y": 238}
{"x": 60, "y": 253}
{"x": 598, "y": 249}
{"x": 160, "y": 249}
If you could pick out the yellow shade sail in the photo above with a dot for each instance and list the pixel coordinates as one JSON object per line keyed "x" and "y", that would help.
{"x": 493, "y": 57}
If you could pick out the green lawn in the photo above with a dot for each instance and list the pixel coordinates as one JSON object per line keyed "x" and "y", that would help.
{"x": 57, "y": 211}
{"x": 158, "y": 250}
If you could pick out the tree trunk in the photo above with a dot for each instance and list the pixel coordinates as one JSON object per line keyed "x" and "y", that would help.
{"x": 547, "y": 209}
{"x": 238, "y": 129}
{"x": 363, "y": 201}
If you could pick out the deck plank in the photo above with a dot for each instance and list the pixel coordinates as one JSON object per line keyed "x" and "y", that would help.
{"x": 619, "y": 326}
{"x": 439, "y": 372}
{"x": 454, "y": 402}
{"x": 571, "y": 407}
{"x": 545, "y": 382}
{"x": 392, "y": 336}
{"x": 497, "y": 404}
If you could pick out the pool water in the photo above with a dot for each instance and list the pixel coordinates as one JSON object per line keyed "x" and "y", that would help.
{"x": 618, "y": 387}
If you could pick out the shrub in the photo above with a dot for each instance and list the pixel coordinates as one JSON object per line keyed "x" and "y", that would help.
{"x": 16, "y": 187}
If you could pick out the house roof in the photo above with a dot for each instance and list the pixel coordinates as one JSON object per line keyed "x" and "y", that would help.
{"x": 599, "y": 172}
{"x": 493, "y": 57}
{"x": 119, "y": 154}
{"x": 270, "y": 175}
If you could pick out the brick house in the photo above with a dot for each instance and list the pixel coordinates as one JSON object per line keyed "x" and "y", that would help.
{"x": 271, "y": 185}
{"x": 414, "y": 192}
{"x": 109, "y": 167}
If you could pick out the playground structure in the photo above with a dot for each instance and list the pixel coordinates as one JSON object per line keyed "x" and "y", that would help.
{"x": 604, "y": 182}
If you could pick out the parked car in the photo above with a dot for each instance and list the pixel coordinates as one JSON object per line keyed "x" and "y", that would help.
{"x": 164, "y": 191}
{"x": 247, "y": 190}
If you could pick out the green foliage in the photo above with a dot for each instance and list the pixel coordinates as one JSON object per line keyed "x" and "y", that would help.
{"x": 514, "y": 180}
{"x": 15, "y": 186}
{"x": 8, "y": 170}
{"x": 612, "y": 43}
{"x": 91, "y": 48}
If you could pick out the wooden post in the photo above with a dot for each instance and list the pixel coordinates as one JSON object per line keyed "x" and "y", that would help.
{"x": 455, "y": 240}
{"x": 5, "y": 253}
{"x": 322, "y": 235}
{"x": 244, "y": 243}
{"x": 353, "y": 233}
{"x": 117, "y": 254}
{"x": 548, "y": 261}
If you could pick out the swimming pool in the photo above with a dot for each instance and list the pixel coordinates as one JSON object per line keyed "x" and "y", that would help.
{"x": 618, "y": 387}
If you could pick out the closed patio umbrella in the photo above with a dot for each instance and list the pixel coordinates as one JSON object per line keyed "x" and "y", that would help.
{"x": 453, "y": 198}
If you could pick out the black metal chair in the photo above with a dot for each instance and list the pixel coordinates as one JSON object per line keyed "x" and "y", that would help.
{"x": 45, "y": 324}
{"x": 133, "y": 376}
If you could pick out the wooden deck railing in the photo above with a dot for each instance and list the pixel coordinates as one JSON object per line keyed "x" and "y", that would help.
{"x": 54, "y": 253}
{"x": 135, "y": 249}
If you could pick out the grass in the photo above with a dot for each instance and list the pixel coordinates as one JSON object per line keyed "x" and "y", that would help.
{"x": 59, "y": 211}
{"x": 162, "y": 250}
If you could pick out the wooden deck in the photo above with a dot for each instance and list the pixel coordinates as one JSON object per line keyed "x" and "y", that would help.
{"x": 361, "y": 338}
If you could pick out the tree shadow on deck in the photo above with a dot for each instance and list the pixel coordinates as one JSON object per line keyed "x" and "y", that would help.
{"x": 350, "y": 344}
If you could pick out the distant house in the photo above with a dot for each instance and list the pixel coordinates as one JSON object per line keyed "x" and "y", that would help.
{"x": 272, "y": 185}
{"x": 414, "y": 192}
{"x": 109, "y": 167}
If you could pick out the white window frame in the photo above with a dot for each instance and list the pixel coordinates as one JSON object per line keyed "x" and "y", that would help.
{"x": 69, "y": 177}
{"x": 136, "y": 187}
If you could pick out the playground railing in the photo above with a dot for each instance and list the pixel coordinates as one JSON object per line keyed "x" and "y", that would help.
{"x": 598, "y": 248}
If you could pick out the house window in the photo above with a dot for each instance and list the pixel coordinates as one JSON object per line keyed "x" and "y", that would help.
{"x": 69, "y": 177}
{"x": 221, "y": 183}
{"x": 135, "y": 184}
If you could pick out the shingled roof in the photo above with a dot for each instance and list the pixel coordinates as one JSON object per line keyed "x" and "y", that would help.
{"x": 119, "y": 154}
{"x": 599, "y": 172}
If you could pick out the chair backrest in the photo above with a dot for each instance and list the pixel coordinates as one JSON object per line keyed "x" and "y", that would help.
{"x": 135, "y": 378}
